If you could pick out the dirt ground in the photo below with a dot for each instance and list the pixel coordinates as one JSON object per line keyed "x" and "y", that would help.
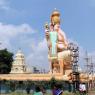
{"x": 91, "y": 93}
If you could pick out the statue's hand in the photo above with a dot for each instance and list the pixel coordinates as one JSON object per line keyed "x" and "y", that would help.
{"x": 50, "y": 44}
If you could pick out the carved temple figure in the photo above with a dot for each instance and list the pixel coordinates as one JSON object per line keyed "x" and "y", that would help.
{"x": 57, "y": 42}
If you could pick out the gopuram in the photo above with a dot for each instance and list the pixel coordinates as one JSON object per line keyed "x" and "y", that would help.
{"x": 18, "y": 65}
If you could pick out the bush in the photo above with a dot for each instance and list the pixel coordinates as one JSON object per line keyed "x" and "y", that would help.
{"x": 66, "y": 93}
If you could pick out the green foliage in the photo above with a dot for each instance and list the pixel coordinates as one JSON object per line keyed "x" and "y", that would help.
{"x": 19, "y": 93}
{"x": 66, "y": 93}
{"x": 13, "y": 86}
{"x": 52, "y": 82}
{"x": 6, "y": 59}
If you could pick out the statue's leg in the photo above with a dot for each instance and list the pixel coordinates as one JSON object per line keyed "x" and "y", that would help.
{"x": 68, "y": 69}
{"x": 65, "y": 55}
{"x": 51, "y": 67}
{"x": 65, "y": 62}
{"x": 61, "y": 64}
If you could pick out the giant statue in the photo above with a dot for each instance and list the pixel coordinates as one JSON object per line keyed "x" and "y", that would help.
{"x": 58, "y": 53}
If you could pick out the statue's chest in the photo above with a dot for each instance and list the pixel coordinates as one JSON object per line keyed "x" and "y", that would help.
{"x": 60, "y": 37}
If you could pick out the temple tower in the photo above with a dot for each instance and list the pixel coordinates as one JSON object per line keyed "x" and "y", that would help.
{"x": 18, "y": 65}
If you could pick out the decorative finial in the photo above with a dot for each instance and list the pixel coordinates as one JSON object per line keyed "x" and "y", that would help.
{"x": 55, "y": 9}
{"x": 19, "y": 48}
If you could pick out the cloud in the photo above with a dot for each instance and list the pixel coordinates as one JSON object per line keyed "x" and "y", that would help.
{"x": 6, "y": 9}
{"x": 39, "y": 56}
{"x": 5, "y": 44}
{"x": 4, "y": 4}
{"x": 9, "y": 32}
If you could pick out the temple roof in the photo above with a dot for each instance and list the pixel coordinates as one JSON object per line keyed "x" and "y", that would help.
{"x": 19, "y": 53}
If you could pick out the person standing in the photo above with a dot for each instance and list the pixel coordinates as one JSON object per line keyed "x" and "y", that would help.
{"x": 82, "y": 89}
{"x": 38, "y": 91}
{"x": 57, "y": 89}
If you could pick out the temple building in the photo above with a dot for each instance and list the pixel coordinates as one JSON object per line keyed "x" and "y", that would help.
{"x": 18, "y": 65}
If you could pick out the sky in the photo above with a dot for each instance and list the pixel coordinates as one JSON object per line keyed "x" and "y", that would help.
{"x": 22, "y": 26}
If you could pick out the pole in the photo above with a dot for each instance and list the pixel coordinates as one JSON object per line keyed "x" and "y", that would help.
{"x": 0, "y": 86}
{"x": 92, "y": 73}
{"x": 87, "y": 69}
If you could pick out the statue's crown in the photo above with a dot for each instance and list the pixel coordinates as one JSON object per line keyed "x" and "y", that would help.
{"x": 55, "y": 17}
{"x": 55, "y": 13}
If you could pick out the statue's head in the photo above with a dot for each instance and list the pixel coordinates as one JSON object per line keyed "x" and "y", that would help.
{"x": 55, "y": 17}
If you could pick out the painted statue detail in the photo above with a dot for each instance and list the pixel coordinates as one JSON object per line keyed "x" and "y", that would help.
{"x": 53, "y": 38}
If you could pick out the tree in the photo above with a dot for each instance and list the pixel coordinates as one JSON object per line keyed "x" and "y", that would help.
{"x": 6, "y": 59}
{"x": 52, "y": 82}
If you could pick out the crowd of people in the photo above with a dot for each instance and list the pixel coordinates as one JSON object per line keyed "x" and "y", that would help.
{"x": 56, "y": 90}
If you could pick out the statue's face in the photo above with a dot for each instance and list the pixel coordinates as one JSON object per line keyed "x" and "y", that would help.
{"x": 55, "y": 20}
